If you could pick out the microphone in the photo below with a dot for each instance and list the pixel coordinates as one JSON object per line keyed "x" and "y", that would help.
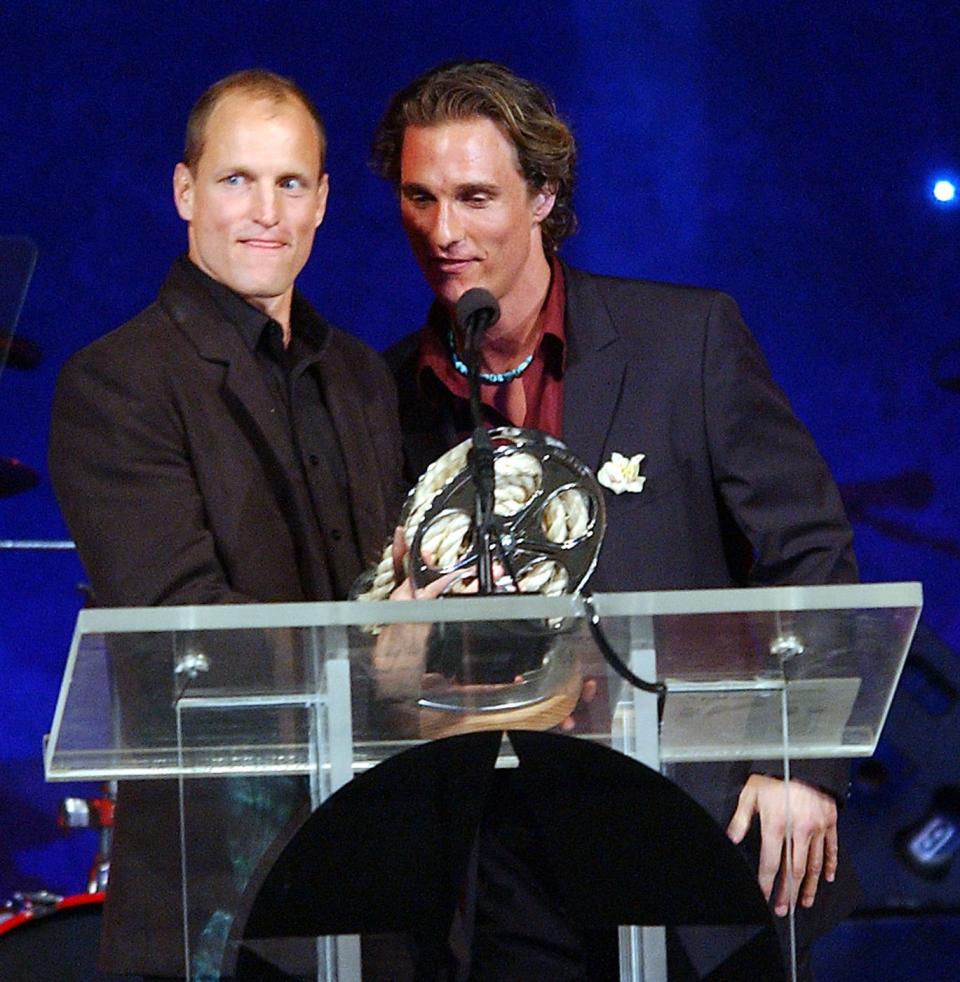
{"x": 477, "y": 309}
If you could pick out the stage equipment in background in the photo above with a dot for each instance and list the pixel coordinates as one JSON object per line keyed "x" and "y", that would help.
{"x": 18, "y": 256}
{"x": 19, "y": 352}
{"x": 946, "y": 367}
{"x": 15, "y": 477}
{"x": 96, "y": 814}
{"x": 913, "y": 490}
{"x": 902, "y": 822}
{"x": 928, "y": 846}
{"x": 46, "y": 936}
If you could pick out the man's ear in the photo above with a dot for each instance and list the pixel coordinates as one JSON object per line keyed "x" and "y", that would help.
{"x": 323, "y": 191}
{"x": 183, "y": 191}
{"x": 543, "y": 202}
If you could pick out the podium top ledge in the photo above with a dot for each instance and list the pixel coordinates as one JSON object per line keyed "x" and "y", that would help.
{"x": 465, "y": 609}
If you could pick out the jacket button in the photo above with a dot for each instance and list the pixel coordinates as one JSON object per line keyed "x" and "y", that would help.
{"x": 314, "y": 459}
{"x": 336, "y": 535}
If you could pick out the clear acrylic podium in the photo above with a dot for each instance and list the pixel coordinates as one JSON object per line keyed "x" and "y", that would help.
{"x": 280, "y": 705}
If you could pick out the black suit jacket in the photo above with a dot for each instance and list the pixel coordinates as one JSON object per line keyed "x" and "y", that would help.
{"x": 736, "y": 491}
{"x": 672, "y": 372}
{"x": 180, "y": 484}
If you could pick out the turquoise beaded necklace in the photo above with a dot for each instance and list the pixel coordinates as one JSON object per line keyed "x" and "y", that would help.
{"x": 491, "y": 378}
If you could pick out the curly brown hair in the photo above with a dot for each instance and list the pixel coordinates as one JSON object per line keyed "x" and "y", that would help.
{"x": 257, "y": 83}
{"x": 527, "y": 116}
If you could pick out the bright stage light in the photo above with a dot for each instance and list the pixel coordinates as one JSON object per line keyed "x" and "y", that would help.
{"x": 945, "y": 191}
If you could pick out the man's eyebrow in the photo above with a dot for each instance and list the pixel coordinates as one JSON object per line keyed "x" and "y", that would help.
{"x": 477, "y": 187}
{"x": 461, "y": 190}
{"x": 300, "y": 175}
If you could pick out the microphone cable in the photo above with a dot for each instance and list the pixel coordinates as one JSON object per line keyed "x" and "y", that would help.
{"x": 614, "y": 660}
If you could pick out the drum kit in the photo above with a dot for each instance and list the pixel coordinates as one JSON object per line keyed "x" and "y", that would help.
{"x": 46, "y": 936}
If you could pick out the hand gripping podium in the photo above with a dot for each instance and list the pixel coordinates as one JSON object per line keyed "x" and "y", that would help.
{"x": 268, "y": 722}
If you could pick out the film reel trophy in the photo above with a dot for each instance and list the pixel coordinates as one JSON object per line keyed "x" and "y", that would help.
{"x": 550, "y": 514}
{"x": 551, "y": 520}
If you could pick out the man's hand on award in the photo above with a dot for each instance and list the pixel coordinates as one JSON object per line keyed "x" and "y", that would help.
{"x": 813, "y": 848}
{"x": 402, "y": 673}
{"x": 399, "y": 657}
{"x": 406, "y": 590}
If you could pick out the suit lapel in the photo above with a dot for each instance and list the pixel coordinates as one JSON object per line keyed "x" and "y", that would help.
{"x": 595, "y": 369}
{"x": 364, "y": 478}
{"x": 244, "y": 385}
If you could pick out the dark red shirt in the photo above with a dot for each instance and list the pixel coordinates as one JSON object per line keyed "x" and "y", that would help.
{"x": 542, "y": 380}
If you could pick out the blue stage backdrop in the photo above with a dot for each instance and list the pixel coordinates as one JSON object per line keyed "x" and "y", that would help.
{"x": 783, "y": 152}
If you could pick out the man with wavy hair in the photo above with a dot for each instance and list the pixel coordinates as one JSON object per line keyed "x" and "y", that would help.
{"x": 735, "y": 492}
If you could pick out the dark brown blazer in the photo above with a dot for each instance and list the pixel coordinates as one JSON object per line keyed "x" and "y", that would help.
{"x": 179, "y": 481}
{"x": 736, "y": 491}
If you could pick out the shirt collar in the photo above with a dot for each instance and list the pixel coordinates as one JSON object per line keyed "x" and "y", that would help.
{"x": 434, "y": 356}
{"x": 554, "y": 338}
{"x": 305, "y": 325}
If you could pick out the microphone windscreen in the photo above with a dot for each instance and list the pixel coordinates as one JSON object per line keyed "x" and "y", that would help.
{"x": 473, "y": 302}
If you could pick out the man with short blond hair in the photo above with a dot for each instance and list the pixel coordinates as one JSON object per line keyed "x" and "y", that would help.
{"x": 227, "y": 445}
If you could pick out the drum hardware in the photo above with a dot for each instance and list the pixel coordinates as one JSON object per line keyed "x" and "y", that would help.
{"x": 15, "y": 476}
{"x": 44, "y": 936}
{"x": 945, "y": 370}
{"x": 38, "y": 902}
{"x": 52, "y": 545}
{"x": 96, "y": 814}
{"x": 22, "y": 908}
{"x": 867, "y": 502}
{"x": 19, "y": 352}
{"x": 18, "y": 257}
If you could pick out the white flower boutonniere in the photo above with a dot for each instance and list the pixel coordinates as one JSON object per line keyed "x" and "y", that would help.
{"x": 621, "y": 473}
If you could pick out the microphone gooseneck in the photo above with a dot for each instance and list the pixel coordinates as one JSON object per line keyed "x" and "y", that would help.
{"x": 476, "y": 311}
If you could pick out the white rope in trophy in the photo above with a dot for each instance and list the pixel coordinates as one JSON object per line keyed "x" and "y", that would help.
{"x": 547, "y": 502}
